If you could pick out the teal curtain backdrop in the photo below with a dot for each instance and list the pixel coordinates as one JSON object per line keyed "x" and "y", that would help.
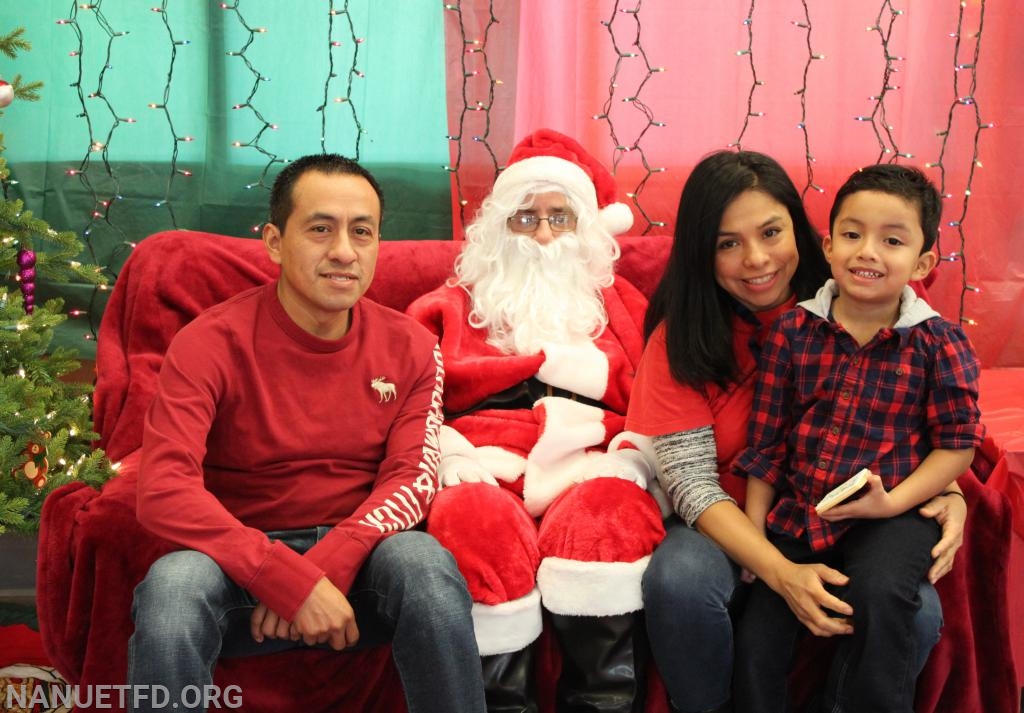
{"x": 824, "y": 87}
{"x": 179, "y": 113}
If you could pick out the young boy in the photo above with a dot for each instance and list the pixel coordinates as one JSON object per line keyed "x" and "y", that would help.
{"x": 865, "y": 375}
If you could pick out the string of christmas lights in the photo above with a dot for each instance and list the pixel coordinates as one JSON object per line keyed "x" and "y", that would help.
{"x": 632, "y": 99}
{"x": 879, "y": 121}
{"x": 164, "y": 107}
{"x": 812, "y": 56}
{"x": 102, "y": 204}
{"x": 473, "y": 63}
{"x": 353, "y": 72}
{"x": 962, "y": 101}
{"x": 748, "y": 52}
{"x": 95, "y": 171}
{"x": 248, "y": 103}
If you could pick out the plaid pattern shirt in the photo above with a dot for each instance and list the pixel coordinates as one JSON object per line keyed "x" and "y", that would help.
{"x": 826, "y": 407}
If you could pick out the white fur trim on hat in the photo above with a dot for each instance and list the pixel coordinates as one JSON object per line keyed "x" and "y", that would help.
{"x": 591, "y": 588}
{"x": 545, "y": 156}
{"x": 616, "y": 218}
{"x": 509, "y": 626}
{"x": 521, "y": 175}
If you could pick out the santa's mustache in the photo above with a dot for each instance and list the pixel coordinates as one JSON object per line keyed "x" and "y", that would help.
{"x": 564, "y": 246}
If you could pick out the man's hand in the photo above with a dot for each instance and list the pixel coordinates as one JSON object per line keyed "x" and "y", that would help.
{"x": 802, "y": 586}
{"x": 455, "y": 469}
{"x": 950, "y": 511}
{"x": 326, "y": 617}
{"x": 266, "y": 624}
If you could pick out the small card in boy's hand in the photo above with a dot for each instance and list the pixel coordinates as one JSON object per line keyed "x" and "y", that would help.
{"x": 843, "y": 491}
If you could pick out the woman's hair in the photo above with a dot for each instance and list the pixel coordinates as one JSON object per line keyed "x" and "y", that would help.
{"x": 696, "y": 311}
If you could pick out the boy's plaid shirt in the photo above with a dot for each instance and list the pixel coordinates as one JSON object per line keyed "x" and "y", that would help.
{"x": 826, "y": 407}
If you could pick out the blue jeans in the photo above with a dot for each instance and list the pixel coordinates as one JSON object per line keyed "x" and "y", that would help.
{"x": 188, "y": 613}
{"x": 689, "y": 590}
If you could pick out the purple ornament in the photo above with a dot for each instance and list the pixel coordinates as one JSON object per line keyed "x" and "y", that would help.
{"x": 27, "y": 262}
{"x": 26, "y": 258}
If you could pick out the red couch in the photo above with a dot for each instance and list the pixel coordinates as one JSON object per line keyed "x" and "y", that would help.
{"x": 92, "y": 552}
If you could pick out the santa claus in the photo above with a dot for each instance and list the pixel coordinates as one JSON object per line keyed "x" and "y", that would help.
{"x": 544, "y": 499}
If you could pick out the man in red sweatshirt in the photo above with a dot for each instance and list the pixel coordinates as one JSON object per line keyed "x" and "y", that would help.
{"x": 291, "y": 450}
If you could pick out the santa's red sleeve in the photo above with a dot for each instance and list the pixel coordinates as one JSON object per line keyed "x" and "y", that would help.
{"x": 474, "y": 369}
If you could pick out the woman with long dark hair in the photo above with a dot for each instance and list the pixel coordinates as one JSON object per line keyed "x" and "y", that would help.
{"x": 744, "y": 252}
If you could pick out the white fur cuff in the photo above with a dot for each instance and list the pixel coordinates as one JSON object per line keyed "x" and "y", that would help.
{"x": 507, "y": 627}
{"x": 591, "y": 588}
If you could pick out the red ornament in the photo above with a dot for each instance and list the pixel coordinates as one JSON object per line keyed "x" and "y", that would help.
{"x": 6, "y": 94}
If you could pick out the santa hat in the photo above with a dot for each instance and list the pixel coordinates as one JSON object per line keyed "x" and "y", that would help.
{"x": 547, "y": 156}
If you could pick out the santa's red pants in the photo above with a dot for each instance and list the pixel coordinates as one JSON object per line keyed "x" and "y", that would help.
{"x": 586, "y": 558}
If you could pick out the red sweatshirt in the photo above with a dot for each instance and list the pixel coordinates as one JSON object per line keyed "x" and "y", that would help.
{"x": 258, "y": 425}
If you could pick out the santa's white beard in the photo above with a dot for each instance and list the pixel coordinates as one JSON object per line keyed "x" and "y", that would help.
{"x": 528, "y": 294}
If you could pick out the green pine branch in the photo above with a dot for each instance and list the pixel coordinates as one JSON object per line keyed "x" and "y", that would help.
{"x": 38, "y": 407}
{"x": 26, "y": 91}
{"x": 10, "y": 45}
{"x": 19, "y": 228}
{"x": 46, "y": 436}
{"x": 14, "y": 42}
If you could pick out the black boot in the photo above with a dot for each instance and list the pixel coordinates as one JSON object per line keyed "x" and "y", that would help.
{"x": 725, "y": 708}
{"x": 603, "y": 661}
{"x": 509, "y": 682}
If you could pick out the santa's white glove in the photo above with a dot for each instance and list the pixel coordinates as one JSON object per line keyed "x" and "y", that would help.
{"x": 456, "y": 469}
{"x": 627, "y": 464}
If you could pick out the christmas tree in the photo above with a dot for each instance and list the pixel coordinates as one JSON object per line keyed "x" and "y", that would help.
{"x": 45, "y": 422}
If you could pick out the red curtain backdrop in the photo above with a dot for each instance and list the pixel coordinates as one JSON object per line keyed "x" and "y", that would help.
{"x": 559, "y": 68}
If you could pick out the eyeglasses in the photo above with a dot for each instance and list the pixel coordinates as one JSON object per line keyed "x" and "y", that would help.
{"x": 528, "y": 223}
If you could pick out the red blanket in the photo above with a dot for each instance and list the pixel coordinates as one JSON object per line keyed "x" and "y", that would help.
{"x": 92, "y": 552}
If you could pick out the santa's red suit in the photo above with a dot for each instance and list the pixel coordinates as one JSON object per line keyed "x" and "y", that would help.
{"x": 564, "y": 524}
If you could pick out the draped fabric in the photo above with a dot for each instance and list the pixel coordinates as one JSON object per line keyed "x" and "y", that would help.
{"x": 164, "y": 96}
{"x": 566, "y": 59}
{"x": 455, "y": 84}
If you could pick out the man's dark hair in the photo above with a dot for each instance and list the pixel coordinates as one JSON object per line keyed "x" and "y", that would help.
{"x": 906, "y": 182}
{"x": 281, "y": 203}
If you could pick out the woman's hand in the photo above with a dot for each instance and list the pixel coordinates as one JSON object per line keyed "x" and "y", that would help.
{"x": 801, "y": 585}
{"x": 803, "y": 588}
{"x": 950, "y": 511}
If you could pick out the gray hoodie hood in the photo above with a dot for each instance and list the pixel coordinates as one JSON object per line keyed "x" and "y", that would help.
{"x": 913, "y": 309}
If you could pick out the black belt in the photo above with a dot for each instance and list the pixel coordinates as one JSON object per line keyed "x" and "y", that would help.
{"x": 523, "y": 396}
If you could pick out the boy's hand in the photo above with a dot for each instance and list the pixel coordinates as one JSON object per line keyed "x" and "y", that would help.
{"x": 875, "y": 503}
